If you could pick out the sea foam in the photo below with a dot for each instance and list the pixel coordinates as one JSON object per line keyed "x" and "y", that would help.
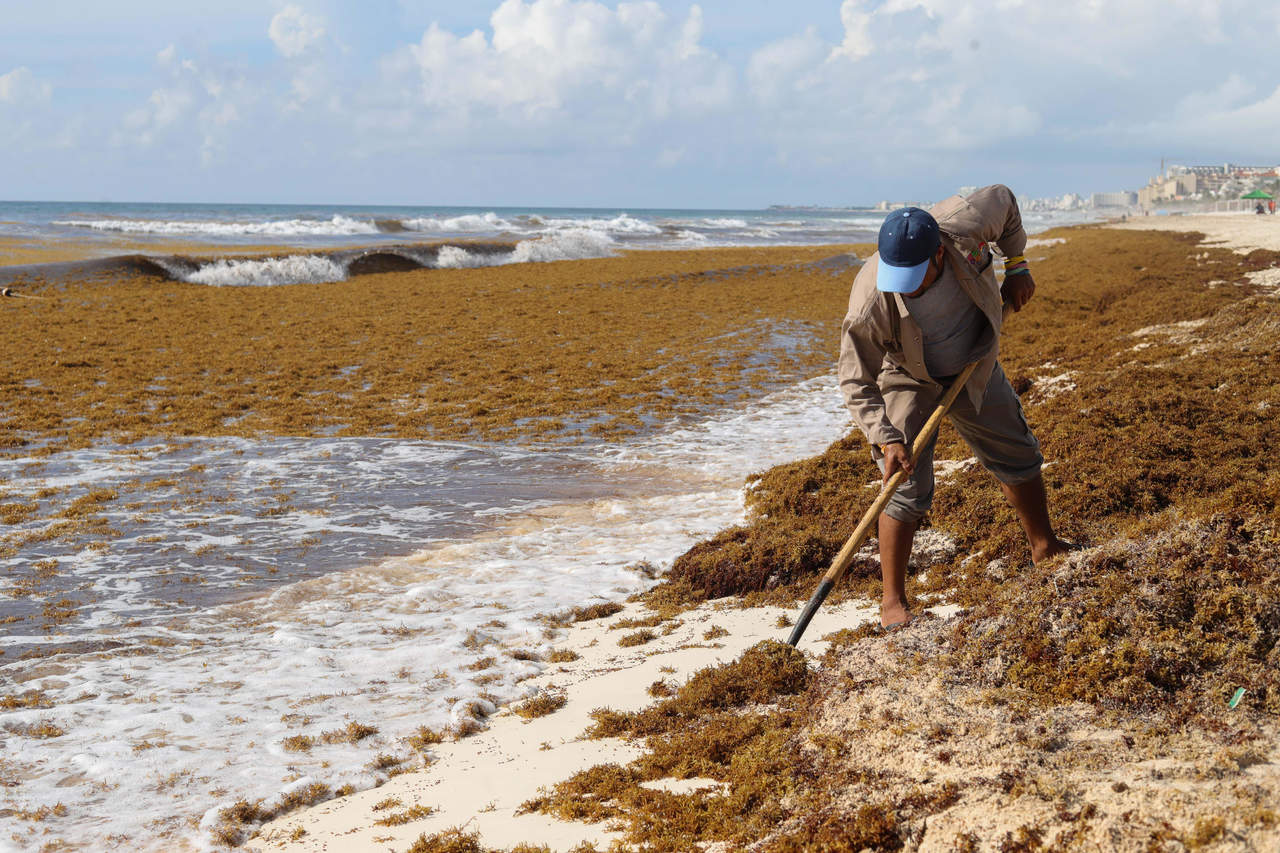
{"x": 336, "y": 226}
{"x": 293, "y": 269}
{"x": 190, "y": 714}
{"x": 479, "y": 223}
{"x": 575, "y": 244}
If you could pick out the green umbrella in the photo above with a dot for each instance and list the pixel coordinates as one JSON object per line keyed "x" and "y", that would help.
{"x": 1256, "y": 194}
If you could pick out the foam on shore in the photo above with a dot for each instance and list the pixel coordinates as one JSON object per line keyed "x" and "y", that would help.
{"x": 178, "y": 717}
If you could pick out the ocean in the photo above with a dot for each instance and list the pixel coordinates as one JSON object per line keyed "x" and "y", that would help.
{"x": 257, "y": 590}
{"x": 334, "y": 242}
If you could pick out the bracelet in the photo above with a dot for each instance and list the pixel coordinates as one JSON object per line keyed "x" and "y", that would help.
{"x": 1016, "y": 265}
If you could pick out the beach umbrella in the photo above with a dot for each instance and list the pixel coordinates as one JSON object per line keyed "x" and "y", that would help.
{"x": 1256, "y": 194}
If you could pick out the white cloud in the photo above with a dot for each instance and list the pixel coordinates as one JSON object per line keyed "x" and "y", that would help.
{"x": 548, "y": 59}
{"x": 20, "y": 86}
{"x": 949, "y": 78}
{"x": 857, "y": 29}
{"x": 615, "y": 93}
{"x": 1203, "y": 119}
{"x": 196, "y": 107}
{"x": 169, "y": 106}
{"x": 786, "y": 66}
{"x": 295, "y": 31}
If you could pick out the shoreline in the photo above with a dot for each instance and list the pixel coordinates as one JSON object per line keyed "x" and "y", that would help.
{"x": 1128, "y": 786}
{"x": 481, "y": 781}
{"x": 179, "y": 705}
{"x": 1054, "y": 368}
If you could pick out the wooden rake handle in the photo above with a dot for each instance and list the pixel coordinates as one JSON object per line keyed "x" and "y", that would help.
{"x": 842, "y": 560}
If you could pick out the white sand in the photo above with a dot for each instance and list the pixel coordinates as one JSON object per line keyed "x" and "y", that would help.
{"x": 1242, "y": 232}
{"x": 479, "y": 782}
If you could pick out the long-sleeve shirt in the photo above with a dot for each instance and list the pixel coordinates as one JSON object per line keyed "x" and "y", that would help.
{"x": 879, "y": 334}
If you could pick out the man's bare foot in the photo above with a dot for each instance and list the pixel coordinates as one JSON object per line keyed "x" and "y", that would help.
{"x": 894, "y": 613}
{"x": 1052, "y": 549}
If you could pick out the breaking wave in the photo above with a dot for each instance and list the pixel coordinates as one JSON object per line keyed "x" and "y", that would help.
{"x": 294, "y": 269}
{"x": 337, "y": 226}
{"x": 571, "y": 245}
{"x": 339, "y": 266}
{"x": 346, "y": 226}
{"x": 478, "y": 223}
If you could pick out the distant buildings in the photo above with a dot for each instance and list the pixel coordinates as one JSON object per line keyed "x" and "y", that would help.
{"x": 1207, "y": 183}
{"x": 1118, "y": 199}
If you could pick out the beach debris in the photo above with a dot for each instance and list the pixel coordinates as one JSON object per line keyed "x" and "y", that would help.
{"x": 1235, "y": 698}
{"x": 10, "y": 292}
{"x": 541, "y": 705}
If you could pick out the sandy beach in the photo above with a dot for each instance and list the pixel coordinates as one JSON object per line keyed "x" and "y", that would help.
{"x": 423, "y": 428}
{"x": 929, "y": 753}
{"x": 1087, "y": 704}
{"x": 1242, "y": 232}
{"x": 481, "y": 782}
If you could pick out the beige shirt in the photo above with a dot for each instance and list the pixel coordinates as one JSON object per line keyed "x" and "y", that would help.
{"x": 879, "y": 336}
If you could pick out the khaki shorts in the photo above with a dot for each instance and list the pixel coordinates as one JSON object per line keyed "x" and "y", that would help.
{"x": 998, "y": 436}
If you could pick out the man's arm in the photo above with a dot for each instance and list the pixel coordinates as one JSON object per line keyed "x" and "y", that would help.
{"x": 1001, "y": 206}
{"x": 991, "y": 215}
{"x": 988, "y": 215}
{"x": 861, "y": 357}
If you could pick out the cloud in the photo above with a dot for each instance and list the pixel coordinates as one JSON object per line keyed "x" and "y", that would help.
{"x": 788, "y": 66}
{"x": 950, "y": 79}
{"x": 20, "y": 86}
{"x": 196, "y": 109}
{"x": 551, "y": 59}
{"x": 607, "y": 98}
{"x": 295, "y": 31}
{"x": 1202, "y": 119}
{"x": 857, "y": 29}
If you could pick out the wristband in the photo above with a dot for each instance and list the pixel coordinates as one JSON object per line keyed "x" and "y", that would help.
{"x": 1016, "y": 265}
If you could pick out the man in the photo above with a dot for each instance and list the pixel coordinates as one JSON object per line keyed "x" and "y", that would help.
{"x": 925, "y": 306}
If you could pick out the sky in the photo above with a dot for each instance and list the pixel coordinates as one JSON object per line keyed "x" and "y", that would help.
{"x": 717, "y": 104}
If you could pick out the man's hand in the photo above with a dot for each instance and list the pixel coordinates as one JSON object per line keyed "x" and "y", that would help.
{"x": 896, "y": 458}
{"x": 1018, "y": 290}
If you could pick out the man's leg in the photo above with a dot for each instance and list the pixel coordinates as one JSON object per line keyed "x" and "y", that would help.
{"x": 1030, "y": 503}
{"x": 909, "y": 403}
{"x": 1003, "y": 443}
{"x": 895, "y": 549}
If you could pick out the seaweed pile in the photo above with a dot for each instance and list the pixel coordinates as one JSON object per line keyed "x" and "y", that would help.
{"x": 574, "y": 351}
{"x": 1121, "y": 697}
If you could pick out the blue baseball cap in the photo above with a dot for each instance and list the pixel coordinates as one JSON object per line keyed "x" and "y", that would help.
{"x": 908, "y": 239}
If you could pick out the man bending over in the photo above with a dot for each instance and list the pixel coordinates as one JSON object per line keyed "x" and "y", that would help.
{"x": 921, "y": 310}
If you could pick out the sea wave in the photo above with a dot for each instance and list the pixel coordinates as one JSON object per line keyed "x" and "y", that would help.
{"x": 577, "y": 244}
{"x": 337, "y": 226}
{"x": 477, "y": 223}
{"x": 293, "y": 269}
{"x": 623, "y": 223}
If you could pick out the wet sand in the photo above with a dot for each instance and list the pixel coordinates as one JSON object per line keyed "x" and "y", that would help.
{"x": 482, "y": 781}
